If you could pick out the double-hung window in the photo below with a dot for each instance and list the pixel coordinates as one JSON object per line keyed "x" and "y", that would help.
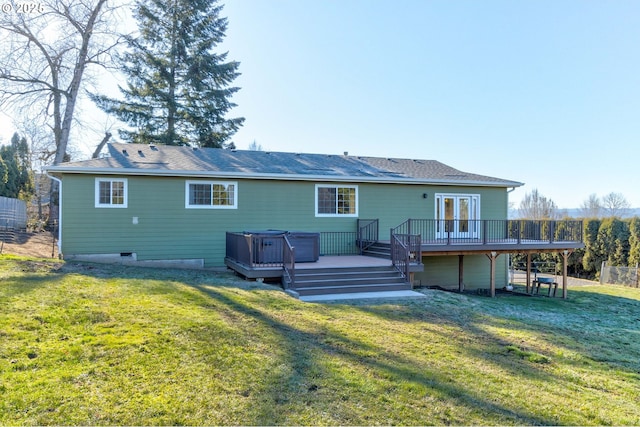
{"x": 111, "y": 193}
{"x": 211, "y": 195}
{"x": 336, "y": 200}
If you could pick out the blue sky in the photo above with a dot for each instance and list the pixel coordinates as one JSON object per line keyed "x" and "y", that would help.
{"x": 542, "y": 92}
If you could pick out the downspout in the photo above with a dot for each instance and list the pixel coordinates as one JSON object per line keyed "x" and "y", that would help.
{"x": 59, "y": 181}
{"x": 509, "y": 260}
{"x": 509, "y": 191}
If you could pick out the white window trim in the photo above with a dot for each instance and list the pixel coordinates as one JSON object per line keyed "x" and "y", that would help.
{"x": 336, "y": 215}
{"x": 472, "y": 196}
{"x": 111, "y": 205}
{"x": 212, "y": 183}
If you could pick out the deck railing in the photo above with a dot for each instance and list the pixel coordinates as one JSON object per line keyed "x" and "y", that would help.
{"x": 413, "y": 243}
{"x": 339, "y": 243}
{"x": 260, "y": 250}
{"x": 400, "y": 255}
{"x": 256, "y": 250}
{"x": 288, "y": 263}
{"x": 406, "y": 249}
{"x": 368, "y": 230}
{"x": 453, "y": 232}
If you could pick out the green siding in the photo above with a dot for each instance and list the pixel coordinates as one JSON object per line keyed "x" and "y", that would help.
{"x": 443, "y": 271}
{"x": 167, "y": 230}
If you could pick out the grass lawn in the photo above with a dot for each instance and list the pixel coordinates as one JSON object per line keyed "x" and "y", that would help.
{"x": 84, "y": 344}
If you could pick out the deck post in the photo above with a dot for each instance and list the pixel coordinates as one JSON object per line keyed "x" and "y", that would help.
{"x": 484, "y": 232}
{"x": 251, "y": 258}
{"x": 460, "y": 273}
{"x": 565, "y": 262}
{"x": 528, "y": 271}
{"x": 492, "y": 260}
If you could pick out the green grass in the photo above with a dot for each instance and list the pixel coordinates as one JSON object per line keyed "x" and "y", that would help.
{"x": 84, "y": 344}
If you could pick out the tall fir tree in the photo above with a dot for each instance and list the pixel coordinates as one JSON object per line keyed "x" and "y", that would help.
{"x": 178, "y": 89}
{"x": 634, "y": 241}
{"x": 15, "y": 172}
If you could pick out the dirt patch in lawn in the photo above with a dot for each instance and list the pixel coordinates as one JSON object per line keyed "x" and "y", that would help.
{"x": 40, "y": 244}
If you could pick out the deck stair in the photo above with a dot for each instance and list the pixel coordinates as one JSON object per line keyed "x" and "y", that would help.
{"x": 339, "y": 280}
{"x": 379, "y": 250}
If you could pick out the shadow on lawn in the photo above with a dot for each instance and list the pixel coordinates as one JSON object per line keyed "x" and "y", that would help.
{"x": 308, "y": 378}
{"x": 24, "y": 276}
{"x": 598, "y": 326}
{"x": 304, "y": 348}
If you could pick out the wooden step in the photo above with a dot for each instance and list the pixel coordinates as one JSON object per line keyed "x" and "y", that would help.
{"x": 381, "y": 287}
{"x": 355, "y": 281}
{"x": 344, "y": 270}
{"x": 379, "y": 250}
{"x": 322, "y": 281}
{"x": 342, "y": 275}
{"x": 377, "y": 254}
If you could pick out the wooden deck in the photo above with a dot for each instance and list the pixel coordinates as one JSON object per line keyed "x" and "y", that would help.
{"x": 509, "y": 246}
{"x": 329, "y": 261}
{"x": 476, "y": 246}
{"x": 344, "y": 261}
{"x": 270, "y": 256}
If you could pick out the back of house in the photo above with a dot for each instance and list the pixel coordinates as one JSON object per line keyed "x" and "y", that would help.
{"x": 169, "y": 205}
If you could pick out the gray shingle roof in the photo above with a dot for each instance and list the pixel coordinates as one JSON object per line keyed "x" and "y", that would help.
{"x": 212, "y": 162}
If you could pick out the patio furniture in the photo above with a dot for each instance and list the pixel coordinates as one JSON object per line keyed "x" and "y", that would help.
{"x": 545, "y": 281}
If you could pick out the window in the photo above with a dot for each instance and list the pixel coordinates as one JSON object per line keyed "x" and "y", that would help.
{"x": 111, "y": 193}
{"x": 333, "y": 200}
{"x": 211, "y": 195}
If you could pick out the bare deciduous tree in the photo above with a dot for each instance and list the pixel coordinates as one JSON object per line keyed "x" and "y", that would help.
{"x": 591, "y": 207}
{"x": 43, "y": 59}
{"x": 615, "y": 205}
{"x": 536, "y": 206}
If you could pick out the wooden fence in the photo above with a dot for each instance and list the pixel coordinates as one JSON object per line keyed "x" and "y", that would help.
{"x": 13, "y": 214}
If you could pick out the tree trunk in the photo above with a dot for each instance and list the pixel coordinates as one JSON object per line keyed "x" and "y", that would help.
{"x": 96, "y": 153}
{"x": 74, "y": 87}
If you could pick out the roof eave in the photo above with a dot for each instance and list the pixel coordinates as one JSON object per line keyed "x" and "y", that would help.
{"x": 60, "y": 169}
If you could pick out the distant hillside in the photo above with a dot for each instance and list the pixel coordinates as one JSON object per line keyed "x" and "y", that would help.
{"x": 572, "y": 213}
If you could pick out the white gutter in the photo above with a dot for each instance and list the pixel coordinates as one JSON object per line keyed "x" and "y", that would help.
{"x": 282, "y": 177}
{"x": 59, "y": 181}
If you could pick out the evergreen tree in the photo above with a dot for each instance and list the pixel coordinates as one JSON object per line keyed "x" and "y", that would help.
{"x": 4, "y": 176}
{"x": 178, "y": 90}
{"x": 15, "y": 176}
{"x": 613, "y": 241}
{"x": 634, "y": 241}
{"x": 592, "y": 259}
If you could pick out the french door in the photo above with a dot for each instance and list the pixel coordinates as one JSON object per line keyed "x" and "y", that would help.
{"x": 457, "y": 216}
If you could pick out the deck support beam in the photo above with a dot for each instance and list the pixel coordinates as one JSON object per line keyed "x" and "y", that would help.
{"x": 565, "y": 262}
{"x": 528, "y": 271}
{"x": 460, "y": 273}
{"x": 492, "y": 260}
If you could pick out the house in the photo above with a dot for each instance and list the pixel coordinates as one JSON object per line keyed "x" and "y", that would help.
{"x": 212, "y": 208}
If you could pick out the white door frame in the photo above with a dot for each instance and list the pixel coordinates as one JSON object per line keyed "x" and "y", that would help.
{"x": 463, "y": 209}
